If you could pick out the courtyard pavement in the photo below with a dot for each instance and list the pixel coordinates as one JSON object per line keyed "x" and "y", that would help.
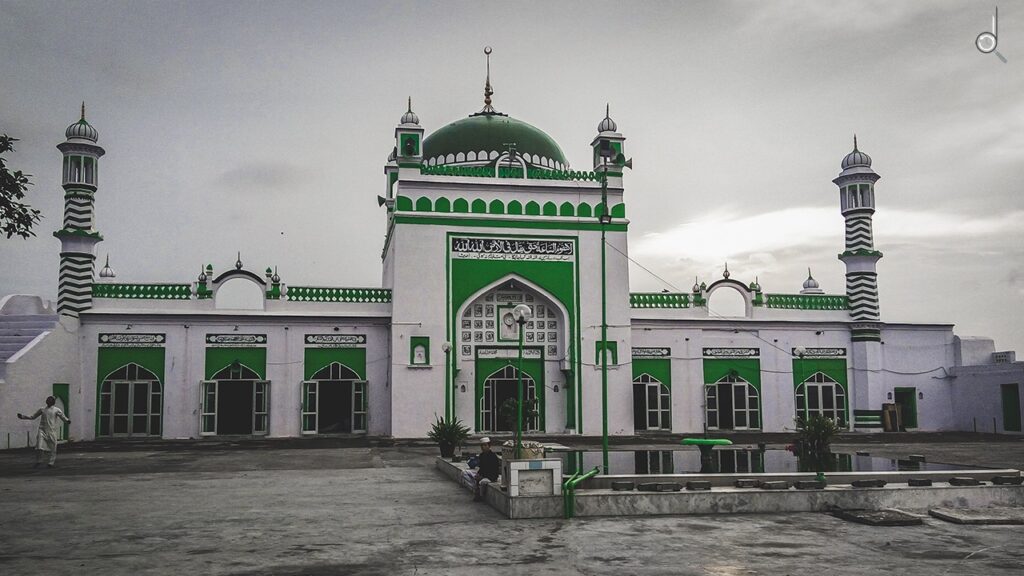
{"x": 322, "y": 507}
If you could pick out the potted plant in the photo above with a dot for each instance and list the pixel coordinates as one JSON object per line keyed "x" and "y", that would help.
{"x": 448, "y": 434}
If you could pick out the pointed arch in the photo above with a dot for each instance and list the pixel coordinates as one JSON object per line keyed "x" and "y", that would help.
{"x": 460, "y": 206}
{"x": 566, "y": 209}
{"x": 423, "y": 204}
{"x": 583, "y": 210}
{"x": 532, "y": 208}
{"x": 550, "y": 209}
{"x": 514, "y": 207}
{"x": 496, "y": 207}
{"x": 442, "y": 205}
{"x": 479, "y": 207}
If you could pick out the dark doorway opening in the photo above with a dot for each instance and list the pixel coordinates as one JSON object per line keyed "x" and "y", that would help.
{"x": 906, "y": 398}
{"x": 725, "y": 407}
{"x": 335, "y": 407}
{"x": 234, "y": 406}
{"x": 639, "y": 409}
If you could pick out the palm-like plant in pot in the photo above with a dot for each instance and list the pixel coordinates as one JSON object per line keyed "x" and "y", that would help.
{"x": 448, "y": 433}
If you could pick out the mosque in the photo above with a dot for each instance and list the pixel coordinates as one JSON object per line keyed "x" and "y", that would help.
{"x": 500, "y": 261}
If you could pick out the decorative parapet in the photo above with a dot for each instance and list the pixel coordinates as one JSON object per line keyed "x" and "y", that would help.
{"x": 314, "y": 294}
{"x": 143, "y": 291}
{"x": 806, "y": 302}
{"x": 507, "y": 172}
{"x": 658, "y": 300}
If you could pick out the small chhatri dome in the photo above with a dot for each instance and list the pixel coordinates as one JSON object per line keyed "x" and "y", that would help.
{"x": 410, "y": 117}
{"x": 696, "y": 285}
{"x": 107, "y": 271}
{"x": 202, "y": 275}
{"x": 856, "y": 158}
{"x": 607, "y": 125}
{"x": 82, "y": 129}
{"x": 811, "y": 285}
{"x": 755, "y": 286}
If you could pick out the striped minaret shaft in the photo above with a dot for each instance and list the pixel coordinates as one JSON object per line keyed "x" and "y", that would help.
{"x": 857, "y": 197}
{"x": 78, "y": 237}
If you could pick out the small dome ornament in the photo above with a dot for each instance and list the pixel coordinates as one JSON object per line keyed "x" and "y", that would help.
{"x": 726, "y": 274}
{"x": 82, "y": 129}
{"x": 856, "y": 158}
{"x": 410, "y": 117}
{"x": 275, "y": 278}
{"x": 755, "y": 286}
{"x": 811, "y": 285}
{"x": 607, "y": 125}
{"x": 107, "y": 271}
{"x": 238, "y": 262}
{"x": 202, "y": 276}
{"x": 696, "y": 285}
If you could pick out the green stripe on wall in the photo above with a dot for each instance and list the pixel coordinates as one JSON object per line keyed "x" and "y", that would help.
{"x": 218, "y": 359}
{"x": 495, "y": 223}
{"x": 659, "y": 368}
{"x": 316, "y": 359}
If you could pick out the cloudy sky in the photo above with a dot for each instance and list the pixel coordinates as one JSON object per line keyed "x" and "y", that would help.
{"x": 263, "y": 127}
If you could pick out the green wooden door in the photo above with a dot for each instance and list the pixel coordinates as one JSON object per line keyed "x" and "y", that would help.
{"x": 1011, "y": 407}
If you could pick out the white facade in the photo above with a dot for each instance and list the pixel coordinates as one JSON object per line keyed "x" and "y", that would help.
{"x": 471, "y": 234}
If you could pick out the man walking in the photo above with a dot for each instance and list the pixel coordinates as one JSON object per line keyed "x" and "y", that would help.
{"x": 46, "y": 439}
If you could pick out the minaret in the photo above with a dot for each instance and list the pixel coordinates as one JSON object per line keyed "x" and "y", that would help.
{"x": 857, "y": 198}
{"x": 78, "y": 238}
{"x": 409, "y": 140}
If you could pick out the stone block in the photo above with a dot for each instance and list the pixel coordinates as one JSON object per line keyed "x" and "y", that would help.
{"x": 964, "y": 481}
{"x": 698, "y": 485}
{"x": 669, "y": 487}
{"x": 810, "y": 484}
{"x": 919, "y": 482}
{"x": 878, "y": 517}
{"x": 775, "y": 485}
{"x": 622, "y": 485}
{"x": 747, "y": 483}
{"x": 916, "y": 458}
{"x": 1007, "y": 480}
{"x": 648, "y": 487}
{"x": 870, "y": 483}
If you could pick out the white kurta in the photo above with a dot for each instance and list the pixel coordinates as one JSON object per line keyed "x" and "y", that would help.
{"x": 50, "y": 419}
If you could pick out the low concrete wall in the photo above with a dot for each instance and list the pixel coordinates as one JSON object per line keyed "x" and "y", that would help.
{"x": 724, "y": 499}
{"x": 752, "y": 501}
{"x": 728, "y": 480}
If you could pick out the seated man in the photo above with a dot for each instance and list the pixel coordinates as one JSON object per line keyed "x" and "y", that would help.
{"x": 488, "y": 467}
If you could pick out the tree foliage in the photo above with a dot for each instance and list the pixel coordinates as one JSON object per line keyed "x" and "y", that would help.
{"x": 16, "y": 217}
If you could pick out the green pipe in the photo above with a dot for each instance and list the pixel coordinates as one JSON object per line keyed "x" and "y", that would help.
{"x": 604, "y": 324}
{"x": 565, "y": 494}
{"x": 569, "y": 490}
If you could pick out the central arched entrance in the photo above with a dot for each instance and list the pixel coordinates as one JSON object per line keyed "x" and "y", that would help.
{"x": 334, "y": 401}
{"x": 236, "y": 401}
{"x": 497, "y": 404}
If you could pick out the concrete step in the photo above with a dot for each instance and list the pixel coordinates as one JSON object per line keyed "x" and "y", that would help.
{"x": 27, "y": 324}
{"x": 24, "y": 317}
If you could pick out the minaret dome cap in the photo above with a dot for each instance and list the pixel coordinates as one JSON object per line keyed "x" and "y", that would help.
{"x": 856, "y": 158}
{"x": 607, "y": 125}
{"x": 82, "y": 129}
{"x": 410, "y": 117}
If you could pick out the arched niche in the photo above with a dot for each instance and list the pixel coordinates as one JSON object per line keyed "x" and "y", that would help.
{"x": 239, "y": 290}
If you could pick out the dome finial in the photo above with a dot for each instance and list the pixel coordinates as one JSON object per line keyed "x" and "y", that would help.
{"x": 811, "y": 286}
{"x": 83, "y": 109}
{"x": 607, "y": 125}
{"x": 488, "y": 91}
{"x": 107, "y": 271}
{"x": 855, "y": 142}
{"x": 238, "y": 262}
{"x": 410, "y": 117}
{"x": 726, "y": 274}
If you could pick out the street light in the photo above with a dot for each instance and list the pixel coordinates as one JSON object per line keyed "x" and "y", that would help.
{"x": 521, "y": 313}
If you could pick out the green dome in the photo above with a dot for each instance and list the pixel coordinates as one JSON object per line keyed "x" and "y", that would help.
{"x": 484, "y": 137}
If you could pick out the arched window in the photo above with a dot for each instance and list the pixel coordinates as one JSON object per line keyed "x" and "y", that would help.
{"x": 732, "y": 403}
{"x": 652, "y": 404}
{"x": 497, "y": 405}
{"x": 823, "y": 396}
{"x": 130, "y": 403}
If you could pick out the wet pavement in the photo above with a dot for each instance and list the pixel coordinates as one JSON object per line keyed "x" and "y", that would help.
{"x": 358, "y": 507}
